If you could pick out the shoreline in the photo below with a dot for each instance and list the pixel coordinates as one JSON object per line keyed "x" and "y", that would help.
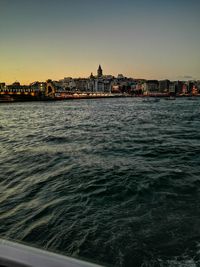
{"x": 9, "y": 99}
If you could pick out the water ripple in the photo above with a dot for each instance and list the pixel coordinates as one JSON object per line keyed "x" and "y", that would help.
{"x": 114, "y": 181}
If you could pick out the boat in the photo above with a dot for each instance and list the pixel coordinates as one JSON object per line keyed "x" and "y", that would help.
{"x": 14, "y": 254}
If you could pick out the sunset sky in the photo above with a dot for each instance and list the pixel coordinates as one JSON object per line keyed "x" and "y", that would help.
{"x": 150, "y": 39}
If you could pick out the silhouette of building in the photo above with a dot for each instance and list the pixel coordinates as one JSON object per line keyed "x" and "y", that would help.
{"x": 99, "y": 72}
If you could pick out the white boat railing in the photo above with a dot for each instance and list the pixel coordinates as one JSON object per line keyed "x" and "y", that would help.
{"x": 17, "y": 255}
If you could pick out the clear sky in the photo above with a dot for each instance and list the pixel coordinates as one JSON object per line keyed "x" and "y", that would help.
{"x": 41, "y": 39}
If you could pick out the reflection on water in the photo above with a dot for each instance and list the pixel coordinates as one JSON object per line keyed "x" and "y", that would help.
{"x": 115, "y": 181}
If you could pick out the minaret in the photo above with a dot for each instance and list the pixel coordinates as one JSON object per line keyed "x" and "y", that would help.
{"x": 99, "y": 72}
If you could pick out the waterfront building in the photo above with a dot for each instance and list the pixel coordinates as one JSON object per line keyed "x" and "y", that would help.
{"x": 16, "y": 91}
{"x": 103, "y": 86}
{"x": 138, "y": 87}
{"x": 124, "y": 85}
{"x": 179, "y": 86}
{"x": 115, "y": 89}
{"x": 184, "y": 89}
{"x": 2, "y": 85}
{"x": 190, "y": 85}
{"x": 150, "y": 87}
{"x": 38, "y": 86}
{"x": 194, "y": 90}
{"x": 197, "y": 83}
{"x": 68, "y": 84}
{"x": 81, "y": 84}
{"x": 164, "y": 86}
{"x": 91, "y": 83}
{"x": 100, "y": 83}
{"x": 172, "y": 87}
{"x": 120, "y": 76}
{"x": 71, "y": 85}
{"x": 99, "y": 72}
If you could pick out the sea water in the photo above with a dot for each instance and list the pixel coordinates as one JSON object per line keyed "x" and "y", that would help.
{"x": 113, "y": 181}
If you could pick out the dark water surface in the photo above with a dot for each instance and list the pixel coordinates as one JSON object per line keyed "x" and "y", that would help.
{"x": 116, "y": 181}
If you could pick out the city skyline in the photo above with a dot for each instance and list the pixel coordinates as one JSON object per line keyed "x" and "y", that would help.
{"x": 41, "y": 40}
